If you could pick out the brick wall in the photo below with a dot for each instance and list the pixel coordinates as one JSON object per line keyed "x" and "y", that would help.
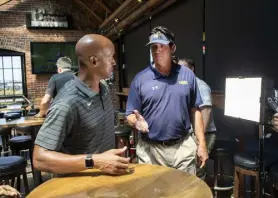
{"x": 15, "y": 36}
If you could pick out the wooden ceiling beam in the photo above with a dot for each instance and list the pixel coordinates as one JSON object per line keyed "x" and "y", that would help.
{"x": 115, "y": 13}
{"x": 104, "y": 6}
{"x": 120, "y": 2}
{"x": 85, "y": 7}
{"x": 85, "y": 14}
{"x": 131, "y": 18}
{"x": 4, "y": 1}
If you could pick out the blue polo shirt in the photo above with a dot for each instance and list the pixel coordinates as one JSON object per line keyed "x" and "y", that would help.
{"x": 164, "y": 101}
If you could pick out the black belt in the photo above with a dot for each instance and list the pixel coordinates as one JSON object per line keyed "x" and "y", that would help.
{"x": 169, "y": 142}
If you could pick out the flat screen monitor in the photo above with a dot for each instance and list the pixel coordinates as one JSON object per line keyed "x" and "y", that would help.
{"x": 242, "y": 98}
{"x": 44, "y": 56}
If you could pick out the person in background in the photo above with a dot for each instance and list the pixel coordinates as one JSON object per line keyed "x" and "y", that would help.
{"x": 78, "y": 132}
{"x": 206, "y": 110}
{"x": 55, "y": 83}
{"x": 162, "y": 102}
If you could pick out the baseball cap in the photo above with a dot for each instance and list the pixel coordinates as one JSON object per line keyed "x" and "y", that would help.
{"x": 64, "y": 62}
{"x": 158, "y": 37}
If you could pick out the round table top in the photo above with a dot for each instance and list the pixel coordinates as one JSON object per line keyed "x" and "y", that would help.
{"x": 142, "y": 181}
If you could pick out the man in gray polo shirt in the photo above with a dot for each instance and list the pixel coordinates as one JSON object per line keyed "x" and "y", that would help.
{"x": 206, "y": 110}
{"x": 55, "y": 83}
{"x": 78, "y": 132}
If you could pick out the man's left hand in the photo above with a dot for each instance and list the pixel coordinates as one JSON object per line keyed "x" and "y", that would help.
{"x": 202, "y": 155}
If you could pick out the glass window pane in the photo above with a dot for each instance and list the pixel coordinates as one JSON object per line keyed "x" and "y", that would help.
{"x": 1, "y": 83}
{"x": 7, "y": 60}
{"x": 1, "y": 59}
{"x": 17, "y": 75}
{"x": 8, "y": 76}
{"x": 16, "y": 61}
{"x": 18, "y": 89}
{"x": 1, "y": 76}
{"x": 8, "y": 79}
{"x": 9, "y": 91}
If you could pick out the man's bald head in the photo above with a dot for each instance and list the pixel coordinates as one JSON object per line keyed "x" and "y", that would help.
{"x": 95, "y": 54}
{"x": 91, "y": 44}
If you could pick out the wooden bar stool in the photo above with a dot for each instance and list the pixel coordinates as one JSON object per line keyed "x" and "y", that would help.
{"x": 19, "y": 143}
{"x": 222, "y": 151}
{"x": 247, "y": 164}
{"x": 273, "y": 173}
{"x": 5, "y": 135}
{"x": 122, "y": 134}
{"x": 12, "y": 167}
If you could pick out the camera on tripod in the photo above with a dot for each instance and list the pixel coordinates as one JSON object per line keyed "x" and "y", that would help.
{"x": 272, "y": 101}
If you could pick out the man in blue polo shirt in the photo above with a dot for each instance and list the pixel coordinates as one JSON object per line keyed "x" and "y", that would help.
{"x": 163, "y": 100}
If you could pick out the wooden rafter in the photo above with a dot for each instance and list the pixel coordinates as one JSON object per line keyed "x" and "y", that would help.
{"x": 115, "y": 13}
{"x": 120, "y": 2}
{"x": 104, "y": 6}
{"x": 86, "y": 15}
{"x": 131, "y": 18}
{"x": 4, "y": 1}
{"x": 85, "y": 7}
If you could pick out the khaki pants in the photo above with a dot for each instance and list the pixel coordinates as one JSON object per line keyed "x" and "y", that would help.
{"x": 181, "y": 156}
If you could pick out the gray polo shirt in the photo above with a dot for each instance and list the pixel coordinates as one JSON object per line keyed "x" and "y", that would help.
{"x": 79, "y": 121}
{"x": 205, "y": 92}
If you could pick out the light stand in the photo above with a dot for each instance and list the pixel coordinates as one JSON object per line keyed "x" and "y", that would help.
{"x": 245, "y": 99}
{"x": 262, "y": 174}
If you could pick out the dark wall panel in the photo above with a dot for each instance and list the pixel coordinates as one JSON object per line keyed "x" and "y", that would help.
{"x": 184, "y": 18}
{"x": 137, "y": 55}
{"x": 242, "y": 39}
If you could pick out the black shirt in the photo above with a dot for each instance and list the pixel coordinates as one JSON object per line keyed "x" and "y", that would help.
{"x": 57, "y": 81}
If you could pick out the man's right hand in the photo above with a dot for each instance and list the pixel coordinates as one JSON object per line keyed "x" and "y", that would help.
{"x": 141, "y": 124}
{"x": 111, "y": 162}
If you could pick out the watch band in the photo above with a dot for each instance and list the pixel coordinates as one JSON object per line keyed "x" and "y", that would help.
{"x": 89, "y": 162}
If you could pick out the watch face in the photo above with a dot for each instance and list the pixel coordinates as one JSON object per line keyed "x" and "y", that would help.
{"x": 89, "y": 162}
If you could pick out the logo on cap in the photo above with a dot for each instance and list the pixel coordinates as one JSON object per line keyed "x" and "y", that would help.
{"x": 157, "y": 35}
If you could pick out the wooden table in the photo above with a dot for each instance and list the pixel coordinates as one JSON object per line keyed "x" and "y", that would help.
{"x": 23, "y": 121}
{"x": 143, "y": 181}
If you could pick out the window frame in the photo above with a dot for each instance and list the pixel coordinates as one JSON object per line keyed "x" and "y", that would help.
{"x": 5, "y": 53}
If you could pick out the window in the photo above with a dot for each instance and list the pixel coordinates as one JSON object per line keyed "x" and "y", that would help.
{"x": 11, "y": 76}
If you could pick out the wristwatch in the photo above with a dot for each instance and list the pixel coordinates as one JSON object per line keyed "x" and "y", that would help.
{"x": 89, "y": 162}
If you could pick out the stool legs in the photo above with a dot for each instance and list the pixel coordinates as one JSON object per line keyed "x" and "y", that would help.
{"x": 25, "y": 181}
{"x": 236, "y": 184}
{"x": 216, "y": 166}
{"x": 17, "y": 152}
{"x": 257, "y": 185}
{"x": 239, "y": 181}
{"x": 273, "y": 190}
